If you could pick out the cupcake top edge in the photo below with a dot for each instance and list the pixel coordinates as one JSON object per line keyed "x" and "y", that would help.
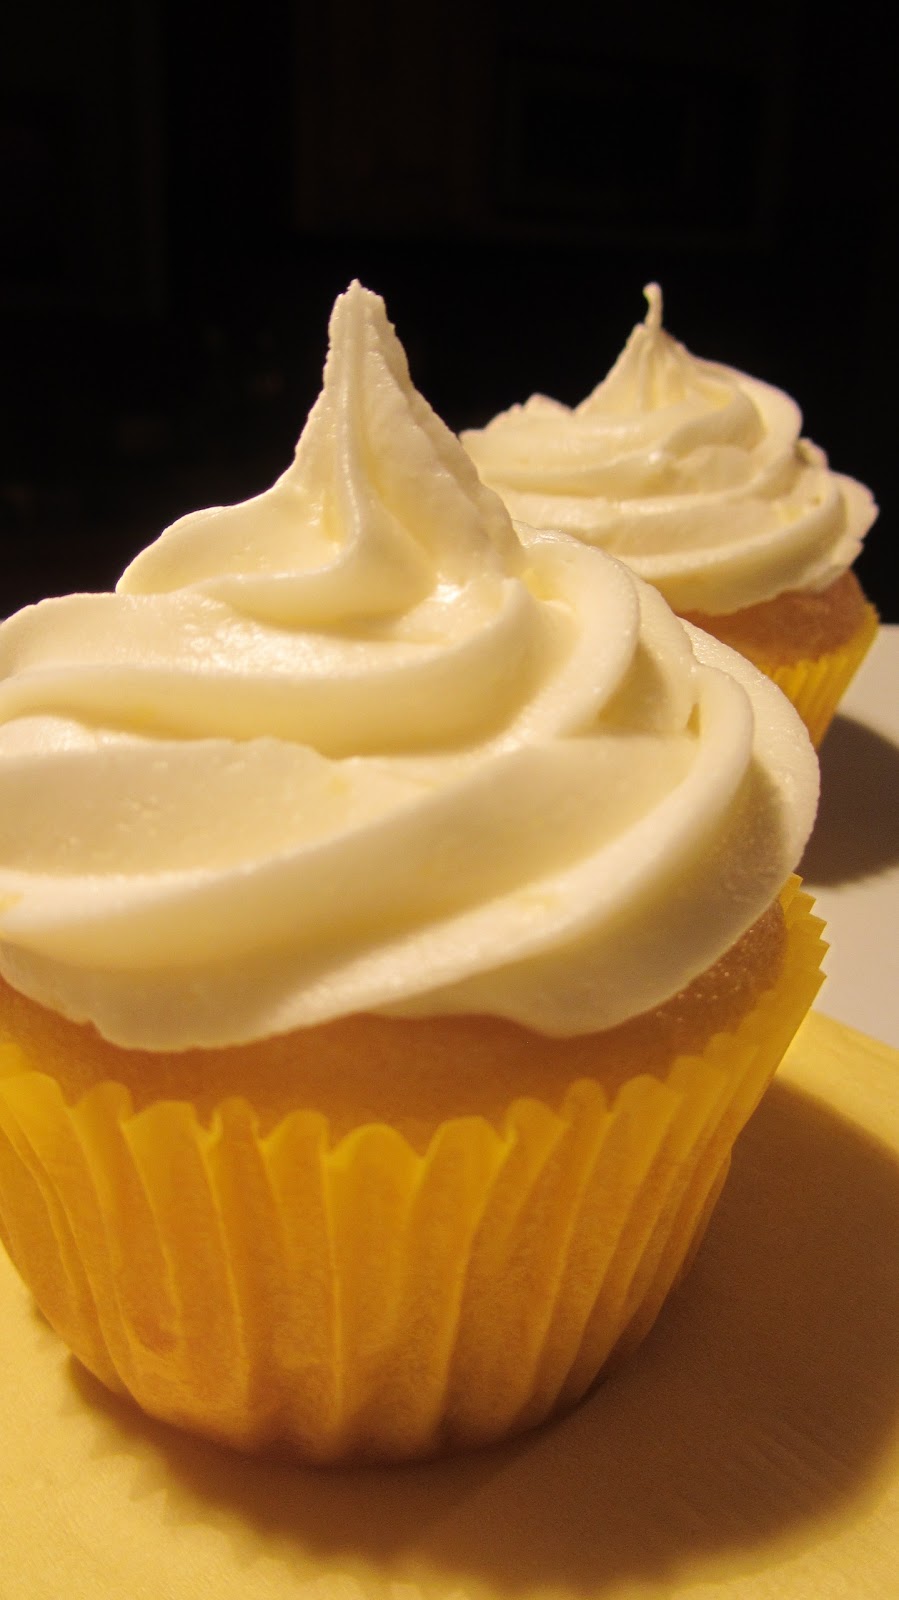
{"x": 692, "y": 472}
{"x": 363, "y": 744}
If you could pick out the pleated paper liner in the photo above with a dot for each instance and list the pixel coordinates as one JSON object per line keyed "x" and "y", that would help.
{"x": 816, "y": 687}
{"x": 364, "y": 1299}
{"x": 810, "y": 645}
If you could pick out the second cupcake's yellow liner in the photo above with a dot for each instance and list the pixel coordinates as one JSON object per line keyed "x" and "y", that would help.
{"x": 816, "y": 684}
{"x": 365, "y": 1300}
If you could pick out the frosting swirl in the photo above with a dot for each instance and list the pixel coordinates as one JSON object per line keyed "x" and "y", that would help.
{"x": 359, "y": 745}
{"x": 691, "y": 472}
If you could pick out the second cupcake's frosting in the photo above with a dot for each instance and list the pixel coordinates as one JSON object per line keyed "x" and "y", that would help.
{"x": 691, "y": 472}
{"x": 357, "y": 745}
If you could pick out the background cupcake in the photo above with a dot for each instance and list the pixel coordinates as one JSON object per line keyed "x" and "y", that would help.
{"x": 375, "y": 1031}
{"x": 697, "y": 477}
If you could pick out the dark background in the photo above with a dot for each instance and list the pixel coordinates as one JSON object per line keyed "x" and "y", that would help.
{"x": 186, "y": 187}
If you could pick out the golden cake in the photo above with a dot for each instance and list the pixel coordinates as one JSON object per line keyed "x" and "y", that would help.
{"x": 397, "y": 927}
{"x": 697, "y": 476}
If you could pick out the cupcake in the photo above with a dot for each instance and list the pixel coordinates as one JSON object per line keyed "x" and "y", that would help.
{"x": 396, "y": 929}
{"x": 697, "y": 477}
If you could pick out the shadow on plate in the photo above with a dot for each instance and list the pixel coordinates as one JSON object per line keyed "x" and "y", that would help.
{"x": 761, "y": 1404}
{"x": 857, "y": 831}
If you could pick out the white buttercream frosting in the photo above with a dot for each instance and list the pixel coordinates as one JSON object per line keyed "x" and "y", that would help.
{"x": 360, "y": 745}
{"x": 691, "y": 472}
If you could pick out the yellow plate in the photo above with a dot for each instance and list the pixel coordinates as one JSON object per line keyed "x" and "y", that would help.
{"x": 749, "y": 1451}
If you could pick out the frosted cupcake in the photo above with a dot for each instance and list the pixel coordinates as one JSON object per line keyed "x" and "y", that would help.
{"x": 697, "y": 477}
{"x": 396, "y": 930}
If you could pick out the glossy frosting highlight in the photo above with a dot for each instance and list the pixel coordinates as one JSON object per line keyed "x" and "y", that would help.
{"x": 693, "y": 473}
{"x": 358, "y": 745}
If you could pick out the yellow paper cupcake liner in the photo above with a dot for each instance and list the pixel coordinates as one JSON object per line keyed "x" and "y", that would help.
{"x": 816, "y": 685}
{"x": 363, "y": 1300}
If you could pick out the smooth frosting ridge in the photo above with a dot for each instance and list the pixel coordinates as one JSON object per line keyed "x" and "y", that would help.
{"x": 359, "y": 745}
{"x": 691, "y": 472}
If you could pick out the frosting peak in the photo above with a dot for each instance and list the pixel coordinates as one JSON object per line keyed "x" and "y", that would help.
{"x": 691, "y": 472}
{"x": 360, "y": 745}
{"x": 378, "y": 501}
{"x": 653, "y": 371}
